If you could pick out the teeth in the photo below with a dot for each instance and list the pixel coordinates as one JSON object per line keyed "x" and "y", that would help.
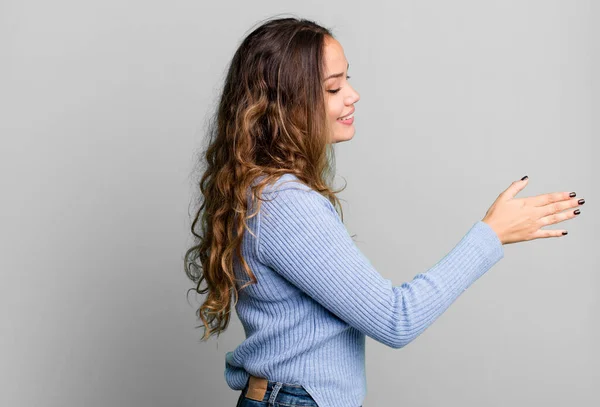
{"x": 347, "y": 117}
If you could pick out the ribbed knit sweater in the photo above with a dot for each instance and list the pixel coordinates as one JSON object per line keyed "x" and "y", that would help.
{"x": 317, "y": 296}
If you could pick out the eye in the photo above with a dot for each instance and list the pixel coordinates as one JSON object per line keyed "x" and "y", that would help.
{"x": 338, "y": 89}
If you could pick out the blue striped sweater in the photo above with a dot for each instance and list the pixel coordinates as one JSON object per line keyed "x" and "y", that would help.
{"x": 318, "y": 296}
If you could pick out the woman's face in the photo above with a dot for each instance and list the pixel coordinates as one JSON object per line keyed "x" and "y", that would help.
{"x": 340, "y": 96}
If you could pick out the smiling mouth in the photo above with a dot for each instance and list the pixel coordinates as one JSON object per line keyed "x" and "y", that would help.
{"x": 351, "y": 115}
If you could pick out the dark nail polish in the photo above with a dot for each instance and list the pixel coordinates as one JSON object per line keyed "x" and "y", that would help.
{"x": 524, "y": 178}
{"x": 565, "y": 232}
{"x": 576, "y": 211}
{"x": 581, "y": 201}
{"x": 572, "y": 194}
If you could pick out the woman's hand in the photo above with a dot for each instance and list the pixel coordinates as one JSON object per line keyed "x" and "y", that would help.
{"x": 520, "y": 219}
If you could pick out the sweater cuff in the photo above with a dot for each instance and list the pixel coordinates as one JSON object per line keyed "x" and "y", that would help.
{"x": 476, "y": 253}
{"x": 488, "y": 241}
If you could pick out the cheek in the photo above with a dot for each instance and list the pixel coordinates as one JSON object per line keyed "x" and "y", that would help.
{"x": 333, "y": 116}
{"x": 334, "y": 109}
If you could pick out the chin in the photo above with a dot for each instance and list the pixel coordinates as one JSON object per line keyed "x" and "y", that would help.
{"x": 340, "y": 138}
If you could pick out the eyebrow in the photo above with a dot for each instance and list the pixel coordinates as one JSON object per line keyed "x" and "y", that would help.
{"x": 337, "y": 75}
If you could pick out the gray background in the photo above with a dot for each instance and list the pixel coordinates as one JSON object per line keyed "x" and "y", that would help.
{"x": 103, "y": 109}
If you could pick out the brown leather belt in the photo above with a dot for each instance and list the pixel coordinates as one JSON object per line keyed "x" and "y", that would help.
{"x": 257, "y": 387}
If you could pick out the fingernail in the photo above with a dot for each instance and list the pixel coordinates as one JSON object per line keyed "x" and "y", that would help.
{"x": 565, "y": 232}
{"x": 524, "y": 178}
{"x": 576, "y": 211}
{"x": 572, "y": 194}
{"x": 581, "y": 201}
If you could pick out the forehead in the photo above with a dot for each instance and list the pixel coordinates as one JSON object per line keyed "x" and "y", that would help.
{"x": 333, "y": 56}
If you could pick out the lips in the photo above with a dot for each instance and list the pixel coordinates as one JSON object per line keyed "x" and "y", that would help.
{"x": 342, "y": 117}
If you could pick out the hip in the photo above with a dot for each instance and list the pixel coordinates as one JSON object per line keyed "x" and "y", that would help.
{"x": 261, "y": 392}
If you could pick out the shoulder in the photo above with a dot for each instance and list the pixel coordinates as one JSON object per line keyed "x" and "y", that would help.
{"x": 286, "y": 182}
{"x": 291, "y": 193}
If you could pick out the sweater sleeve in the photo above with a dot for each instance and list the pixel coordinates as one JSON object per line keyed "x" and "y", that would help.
{"x": 303, "y": 239}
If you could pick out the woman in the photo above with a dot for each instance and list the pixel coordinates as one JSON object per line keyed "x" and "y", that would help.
{"x": 305, "y": 294}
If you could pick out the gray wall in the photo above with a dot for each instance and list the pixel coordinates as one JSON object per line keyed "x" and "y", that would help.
{"x": 103, "y": 106}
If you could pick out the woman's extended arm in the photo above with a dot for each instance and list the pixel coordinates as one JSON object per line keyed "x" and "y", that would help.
{"x": 302, "y": 238}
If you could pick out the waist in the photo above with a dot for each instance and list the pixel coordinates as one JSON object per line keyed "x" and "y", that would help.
{"x": 262, "y": 389}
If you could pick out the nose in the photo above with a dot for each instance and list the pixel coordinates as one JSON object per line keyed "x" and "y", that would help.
{"x": 353, "y": 97}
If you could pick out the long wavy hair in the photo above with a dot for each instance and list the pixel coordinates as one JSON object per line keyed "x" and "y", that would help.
{"x": 271, "y": 120}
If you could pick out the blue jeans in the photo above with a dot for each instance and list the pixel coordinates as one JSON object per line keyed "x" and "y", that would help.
{"x": 260, "y": 392}
{"x": 274, "y": 394}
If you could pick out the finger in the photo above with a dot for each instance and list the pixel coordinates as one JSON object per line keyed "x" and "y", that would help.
{"x": 514, "y": 188}
{"x": 559, "y": 206}
{"x": 546, "y": 199}
{"x": 544, "y": 234}
{"x": 556, "y": 218}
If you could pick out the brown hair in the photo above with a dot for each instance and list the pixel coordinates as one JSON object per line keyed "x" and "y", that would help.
{"x": 271, "y": 120}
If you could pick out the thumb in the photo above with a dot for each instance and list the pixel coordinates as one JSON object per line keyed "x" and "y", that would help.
{"x": 515, "y": 188}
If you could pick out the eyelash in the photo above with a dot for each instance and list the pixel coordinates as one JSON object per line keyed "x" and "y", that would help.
{"x": 338, "y": 89}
